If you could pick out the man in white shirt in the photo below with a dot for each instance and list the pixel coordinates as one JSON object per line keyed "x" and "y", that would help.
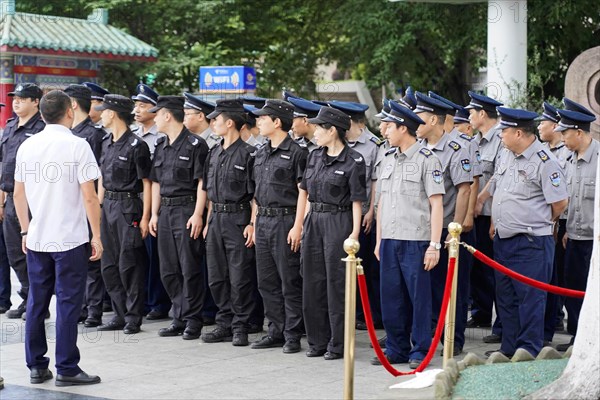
{"x": 55, "y": 176}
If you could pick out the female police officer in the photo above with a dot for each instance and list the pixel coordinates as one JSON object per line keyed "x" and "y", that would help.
{"x": 335, "y": 182}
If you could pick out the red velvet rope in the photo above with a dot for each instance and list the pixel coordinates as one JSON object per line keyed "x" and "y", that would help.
{"x": 524, "y": 279}
{"x": 364, "y": 297}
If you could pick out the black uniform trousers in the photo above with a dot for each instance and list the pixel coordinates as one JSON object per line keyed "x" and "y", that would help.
{"x": 323, "y": 274}
{"x": 65, "y": 271}
{"x": 577, "y": 267}
{"x": 13, "y": 241}
{"x": 4, "y": 273}
{"x": 230, "y": 269}
{"x": 156, "y": 296}
{"x": 279, "y": 278}
{"x": 180, "y": 271}
{"x": 124, "y": 260}
{"x": 554, "y": 315}
{"x": 94, "y": 288}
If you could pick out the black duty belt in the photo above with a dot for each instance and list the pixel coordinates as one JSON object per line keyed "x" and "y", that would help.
{"x": 177, "y": 200}
{"x": 276, "y": 211}
{"x": 324, "y": 207}
{"x": 230, "y": 207}
{"x": 120, "y": 195}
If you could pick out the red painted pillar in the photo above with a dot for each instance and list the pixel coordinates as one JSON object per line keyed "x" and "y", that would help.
{"x": 7, "y": 84}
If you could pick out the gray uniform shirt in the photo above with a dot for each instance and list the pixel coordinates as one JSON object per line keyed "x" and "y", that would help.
{"x": 457, "y": 169}
{"x": 581, "y": 178}
{"x": 562, "y": 153}
{"x": 471, "y": 144}
{"x": 149, "y": 137}
{"x": 212, "y": 139}
{"x": 523, "y": 188}
{"x": 489, "y": 148}
{"x": 368, "y": 148}
{"x": 407, "y": 181}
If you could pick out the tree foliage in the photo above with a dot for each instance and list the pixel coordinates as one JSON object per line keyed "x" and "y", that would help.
{"x": 437, "y": 47}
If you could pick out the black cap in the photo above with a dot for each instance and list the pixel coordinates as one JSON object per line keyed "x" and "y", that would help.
{"x": 277, "y": 108}
{"x": 27, "y": 90}
{"x": 117, "y": 103}
{"x": 98, "y": 92}
{"x": 79, "y": 92}
{"x": 429, "y": 104}
{"x": 574, "y": 120}
{"x": 333, "y": 116}
{"x": 168, "y": 102}
{"x": 257, "y": 102}
{"x": 228, "y": 106}
{"x": 2, "y": 105}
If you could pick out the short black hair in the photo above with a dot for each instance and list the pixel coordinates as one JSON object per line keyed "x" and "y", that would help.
{"x": 125, "y": 117}
{"x": 54, "y": 106}
{"x": 412, "y": 132}
{"x": 360, "y": 118}
{"x": 286, "y": 124}
{"x": 530, "y": 129}
{"x": 84, "y": 104}
{"x": 491, "y": 114}
{"x": 239, "y": 119}
{"x": 441, "y": 118}
{"x": 177, "y": 114}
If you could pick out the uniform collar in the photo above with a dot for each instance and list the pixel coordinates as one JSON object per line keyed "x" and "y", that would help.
{"x": 81, "y": 126}
{"x": 364, "y": 136}
{"x": 412, "y": 150}
{"x": 29, "y": 124}
{"x": 208, "y": 133}
{"x": 439, "y": 146}
{"x": 494, "y": 131}
{"x": 533, "y": 147}
{"x": 591, "y": 150}
{"x": 152, "y": 131}
{"x": 123, "y": 139}
{"x": 179, "y": 140}
{"x": 340, "y": 157}
{"x": 285, "y": 145}
{"x": 234, "y": 146}
{"x": 553, "y": 149}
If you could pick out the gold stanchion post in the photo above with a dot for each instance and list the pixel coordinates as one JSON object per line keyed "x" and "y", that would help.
{"x": 351, "y": 247}
{"x": 455, "y": 230}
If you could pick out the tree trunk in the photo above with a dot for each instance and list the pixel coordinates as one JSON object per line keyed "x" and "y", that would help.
{"x": 581, "y": 377}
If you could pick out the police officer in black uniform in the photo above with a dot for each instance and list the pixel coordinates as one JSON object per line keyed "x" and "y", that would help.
{"x": 125, "y": 165}
{"x": 177, "y": 215}
{"x": 278, "y": 168}
{"x": 230, "y": 189}
{"x": 26, "y": 100}
{"x": 98, "y": 93}
{"x": 83, "y": 127}
{"x": 335, "y": 182}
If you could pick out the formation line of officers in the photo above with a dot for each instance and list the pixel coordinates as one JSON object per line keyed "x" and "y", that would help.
{"x": 233, "y": 212}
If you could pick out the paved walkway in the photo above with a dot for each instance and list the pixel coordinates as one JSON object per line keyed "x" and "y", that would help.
{"x": 146, "y": 366}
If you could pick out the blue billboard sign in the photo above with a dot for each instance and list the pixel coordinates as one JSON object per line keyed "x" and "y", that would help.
{"x": 227, "y": 79}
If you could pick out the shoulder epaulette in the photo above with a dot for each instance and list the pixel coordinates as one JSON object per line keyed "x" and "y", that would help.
{"x": 159, "y": 140}
{"x": 426, "y": 152}
{"x": 193, "y": 140}
{"x": 106, "y": 136}
{"x": 390, "y": 151}
{"x": 375, "y": 140}
{"x": 134, "y": 142}
{"x": 542, "y": 155}
{"x": 454, "y": 146}
{"x": 466, "y": 137}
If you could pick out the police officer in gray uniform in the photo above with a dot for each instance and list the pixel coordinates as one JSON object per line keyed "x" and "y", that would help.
{"x": 303, "y": 130}
{"x": 582, "y": 168}
{"x": 145, "y": 99}
{"x": 26, "y": 98}
{"x": 409, "y": 228}
{"x": 229, "y": 186}
{"x": 278, "y": 168}
{"x": 484, "y": 118}
{"x": 178, "y": 205}
{"x": 81, "y": 97}
{"x": 528, "y": 193}
{"x": 196, "y": 109}
{"x": 125, "y": 165}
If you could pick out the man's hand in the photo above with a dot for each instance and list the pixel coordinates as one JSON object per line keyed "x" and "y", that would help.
{"x": 249, "y": 235}
{"x": 1, "y": 212}
{"x": 195, "y": 226}
{"x": 97, "y": 249}
{"x": 144, "y": 227}
{"x": 432, "y": 257}
{"x": 24, "y": 244}
{"x": 294, "y": 237}
{"x": 376, "y": 251}
{"x": 153, "y": 225}
{"x": 468, "y": 223}
{"x": 564, "y": 241}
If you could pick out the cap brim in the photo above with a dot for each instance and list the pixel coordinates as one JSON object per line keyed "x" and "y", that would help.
{"x": 260, "y": 111}
{"x": 388, "y": 118}
{"x": 316, "y": 121}
{"x": 101, "y": 107}
{"x": 213, "y": 114}
{"x": 11, "y": 94}
{"x": 143, "y": 99}
{"x": 505, "y": 126}
{"x": 472, "y": 107}
{"x": 560, "y": 128}
{"x": 154, "y": 109}
{"x": 417, "y": 111}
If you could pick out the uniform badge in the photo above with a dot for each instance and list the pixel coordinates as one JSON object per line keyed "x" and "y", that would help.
{"x": 454, "y": 146}
{"x": 359, "y": 159}
{"x": 555, "y": 179}
{"x": 390, "y": 151}
{"x": 142, "y": 90}
{"x": 542, "y": 155}
{"x": 426, "y": 152}
{"x": 122, "y": 158}
{"x": 376, "y": 140}
{"x": 195, "y": 141}
{"x": 466, "y": 137}
{"x": 339, "y": 172}
{"x": 285, "y": 156}
{"x": 184, "y": 158}
{"x": 478, "y": 155}
{"x": 239, "y": 167}
{"x": 466, "y": 164}
{"x": 437, "y": 176}
{"x": 29, "y": 134}
{"x": 135, "y": 142}
{"x": 19, "y": 88}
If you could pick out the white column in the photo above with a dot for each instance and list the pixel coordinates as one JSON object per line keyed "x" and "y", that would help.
{"x": 507, "y": 51}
